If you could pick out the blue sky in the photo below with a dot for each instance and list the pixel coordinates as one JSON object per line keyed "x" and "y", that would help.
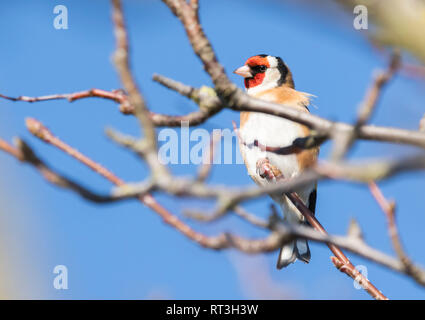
{"x": 124, "y": 251}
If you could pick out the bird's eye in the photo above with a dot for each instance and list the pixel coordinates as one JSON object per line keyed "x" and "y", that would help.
{"x": 259, "y": 69}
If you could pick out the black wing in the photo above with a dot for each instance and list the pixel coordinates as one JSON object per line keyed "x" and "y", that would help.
{"x": 312, "y": 201}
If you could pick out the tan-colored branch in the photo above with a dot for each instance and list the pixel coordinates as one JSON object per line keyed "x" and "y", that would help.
{"x": 326, "y": 129}
{"x": 229, "y": 197}
{"x": 368, "y": 106}
{"x": 343, "y": 142}
{"x": 340, "y": 260}
{"x": 116, "y": 95}
{"x": 158, "y": 119}
{"x": 25, "y": 154}
{"x": 206, "y": 98}
{"x": 202, "y": 47}
{"x": 349, "y": 243}
{"x": 253, "y": 219}
{"x": 388, "y": 207}
{"x": 207, "y": 163}
{"x": 122, "y": 63}
{"x": 41, "y": 132}
{"x": 195, "y": 5}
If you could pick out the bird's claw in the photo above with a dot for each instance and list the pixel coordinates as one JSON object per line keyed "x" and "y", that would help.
{"x": 264, "y": 169}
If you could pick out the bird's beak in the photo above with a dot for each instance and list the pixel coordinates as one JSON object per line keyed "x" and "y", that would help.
{"x": 244, "y": 71}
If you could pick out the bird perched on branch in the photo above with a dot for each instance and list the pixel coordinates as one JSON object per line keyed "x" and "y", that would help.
{"x": 269, "y": 78}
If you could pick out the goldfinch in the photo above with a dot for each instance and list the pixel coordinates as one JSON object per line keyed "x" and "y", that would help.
{"x": 269, "y": 78}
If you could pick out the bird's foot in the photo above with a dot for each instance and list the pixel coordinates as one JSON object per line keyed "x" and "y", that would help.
{"x": 266, "y": 170}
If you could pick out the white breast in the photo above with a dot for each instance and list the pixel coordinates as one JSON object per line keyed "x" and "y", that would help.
{"x": 270, "y": 131}
{"x": 274, "y": 132}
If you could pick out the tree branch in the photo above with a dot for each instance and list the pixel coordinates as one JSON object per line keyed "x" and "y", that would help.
{"x": 340, "y": 260}
{"x": 24, "y": 153}
{"x": 343, "y": 142}
{"x": 388, "y": 207}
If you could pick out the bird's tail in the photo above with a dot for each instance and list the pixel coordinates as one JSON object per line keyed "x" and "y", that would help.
{"x": 293, "y": 250}
{"x": 297, "y": 249}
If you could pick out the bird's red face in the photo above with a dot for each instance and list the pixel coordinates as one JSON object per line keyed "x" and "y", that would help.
{"x": 254, "y": 71}
{"x": 262, "y": 72}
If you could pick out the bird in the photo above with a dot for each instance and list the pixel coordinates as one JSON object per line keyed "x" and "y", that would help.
{"x": 268, "y": 77}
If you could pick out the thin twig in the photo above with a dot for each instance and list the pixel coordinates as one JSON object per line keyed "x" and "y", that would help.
{"x": 207, "y": 163}
{"x": 341, "y": 261}
{"x": 343, "y": 142}
{"x": 368, "y": 106}
{"x": 41, "y": 132}
{"x": 251, "y": 218}
{"x": 24, "y": 153}
{"x": 388, "y": 207}
{"x": 115, "y": 95}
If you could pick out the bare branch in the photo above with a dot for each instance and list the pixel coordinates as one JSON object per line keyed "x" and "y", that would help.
{"x": 41, "y": 132}
{"x": 195, "y": 5}
{"x": 115, "y": 95}
{"x": 201, "y": 46}
{"x": 388, "y": 207}
{"x": 340, "y": 260}
{"x": 343, "y": 142}
{"x": 207, "y": 163}
{"x": 354, "y": 245}
{"x": 253, "y": 219}
{"x": 136, "y": 100}
{"x": 206, "y": 98}
{"x": 324, "y": 128}
{"x": 373, "y": 94}
{"x": 229, "y": 197}
{"x": 24, "y": 153}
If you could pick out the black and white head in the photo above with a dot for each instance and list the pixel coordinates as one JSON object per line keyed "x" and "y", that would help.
{"x": 263, "y": 72}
